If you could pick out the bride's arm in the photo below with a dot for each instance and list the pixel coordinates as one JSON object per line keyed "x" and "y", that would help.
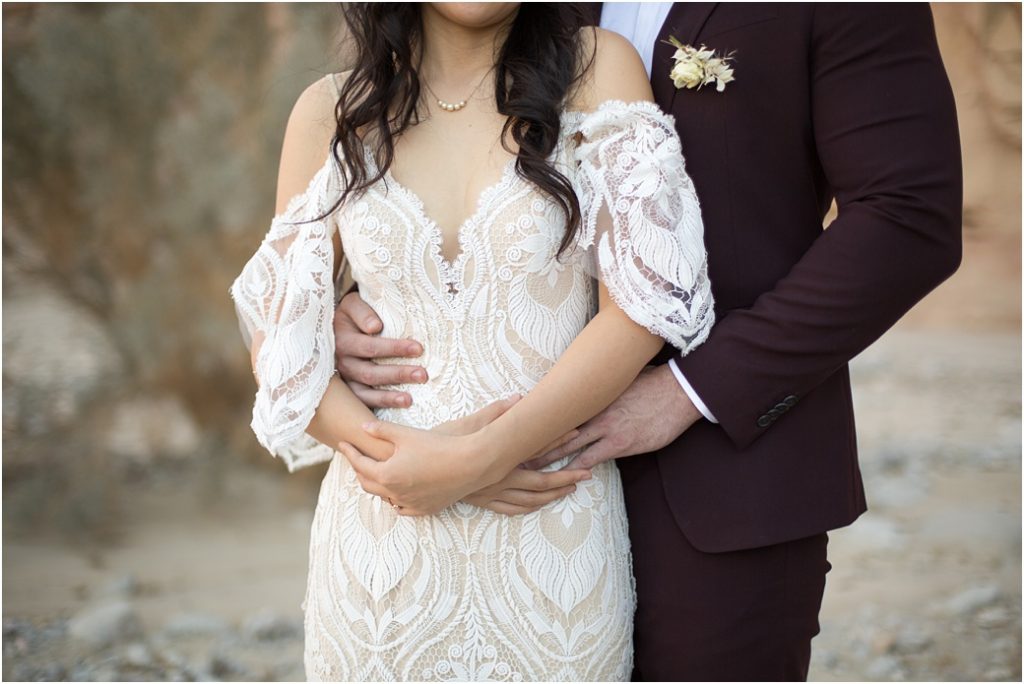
{"x": 339, "y": 414}
{"x": 571, "y": 392}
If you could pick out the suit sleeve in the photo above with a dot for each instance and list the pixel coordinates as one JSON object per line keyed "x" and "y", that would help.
{"x": 885, "y": 128}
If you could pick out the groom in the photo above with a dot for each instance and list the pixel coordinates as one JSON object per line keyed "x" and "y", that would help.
{"x": 739, "y": 457}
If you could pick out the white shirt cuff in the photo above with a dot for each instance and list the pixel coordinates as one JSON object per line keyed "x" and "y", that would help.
{"x": 704, "y": 410}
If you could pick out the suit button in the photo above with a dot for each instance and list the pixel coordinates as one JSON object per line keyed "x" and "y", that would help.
{"x": 790, "y": 400}
{"x": 764, "y": 421}
{"x": 781, "y": 408}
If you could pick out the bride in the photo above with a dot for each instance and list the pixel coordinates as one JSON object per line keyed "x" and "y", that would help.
{"x": 504, "y": 189}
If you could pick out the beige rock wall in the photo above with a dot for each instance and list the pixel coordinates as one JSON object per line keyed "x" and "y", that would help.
{"x": 981, "y": 47}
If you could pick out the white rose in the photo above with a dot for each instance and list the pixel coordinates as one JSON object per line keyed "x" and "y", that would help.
{"x": 687, "y": 74}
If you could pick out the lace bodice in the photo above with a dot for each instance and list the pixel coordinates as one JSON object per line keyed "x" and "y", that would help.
{"x": 495, "y": 319}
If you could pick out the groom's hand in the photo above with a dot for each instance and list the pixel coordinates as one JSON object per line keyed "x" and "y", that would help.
{"x": 356, "y": 344}
{"x": 649, "y": 415}
{"x": 525, "y": 491}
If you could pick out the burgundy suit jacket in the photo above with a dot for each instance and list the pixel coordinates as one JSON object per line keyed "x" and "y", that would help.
{"x": 830, "y": 101}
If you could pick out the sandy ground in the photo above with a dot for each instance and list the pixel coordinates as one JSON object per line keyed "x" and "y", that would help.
{"x": 926, "y": 585}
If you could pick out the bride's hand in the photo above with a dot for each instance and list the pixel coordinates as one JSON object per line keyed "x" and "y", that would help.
{"x": 427, "y": 472}
{"x": 518, "y": 492}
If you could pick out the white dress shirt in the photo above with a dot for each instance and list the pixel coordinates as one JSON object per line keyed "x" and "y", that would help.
{"x": 641, "y": 23}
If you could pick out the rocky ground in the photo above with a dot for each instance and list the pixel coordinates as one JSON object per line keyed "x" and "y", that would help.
{"x": 926, "y": 585}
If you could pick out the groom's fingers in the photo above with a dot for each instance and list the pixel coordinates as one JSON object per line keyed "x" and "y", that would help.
{"x": 360, "y": 313}
{"x": 531, "y": 499}
{"x": 506, "y": 508}
{"x": 584, "y": 436}
{"x": 600, "y": 451}
{"x": 542, "y": 482}
{"x": 375, "y": 398}
{"x": 561, "y": 441}
{"x": 542, "y": 461}
{"x": 376, "y": 374}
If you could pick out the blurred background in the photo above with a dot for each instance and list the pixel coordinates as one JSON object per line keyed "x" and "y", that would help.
{"x": 146, "y": 535}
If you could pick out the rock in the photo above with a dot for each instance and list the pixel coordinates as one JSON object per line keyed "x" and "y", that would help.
{"x": 92, "y": 671}
{"x": 12, "y": 627}
{"x": 17, "y": 635}
{"x": 174, "y": 658}
{"x": 973, "y": 599}
{"x": 998, "y": 674}
{"x": 106, "y": 623}
{"x": 123, "y": 586}
{"x": 991, "y": 618}
{"x": 57, "y": 354}
{"x": 872, "y": 533}
{"x": 883, "y": 642}
{"x": 145, "y": 428}
{"x": 137, "y": 654}
{"x": 897, "y": 490}
{"x": 192, "y": 624}
{"x": 911, "y": 639}
{"x": 47, "y": 672}
{"x": 222, "y": 666}
{"x": 267, "y": 626}
{"x": 81, "y": 673}
{"x": 885, "y": 667}
{"x": 826, "y": 659}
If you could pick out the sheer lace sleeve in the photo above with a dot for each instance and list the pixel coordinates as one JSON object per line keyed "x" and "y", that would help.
{"x": 284, "y": 298}
{"x": 642, "y": 228}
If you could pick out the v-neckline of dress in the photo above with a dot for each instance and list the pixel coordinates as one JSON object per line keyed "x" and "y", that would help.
{"x": 448, "y": 267}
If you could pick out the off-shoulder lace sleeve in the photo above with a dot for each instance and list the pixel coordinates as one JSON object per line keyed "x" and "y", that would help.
{"x": 284, "y": 298}
{"x": 642, "y": 228}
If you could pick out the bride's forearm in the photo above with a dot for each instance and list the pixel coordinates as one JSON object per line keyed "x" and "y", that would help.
{"x": 598, "y": 366}
{"x": 340, "y": 417}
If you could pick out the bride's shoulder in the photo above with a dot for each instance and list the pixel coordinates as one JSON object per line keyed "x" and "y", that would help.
{"x": 610, "y": 69}
{"x": 313, "y": 110}
{"x": 307, "y": 137}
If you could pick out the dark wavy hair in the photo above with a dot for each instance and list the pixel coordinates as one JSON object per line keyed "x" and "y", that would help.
{"x": 539, "y": 63}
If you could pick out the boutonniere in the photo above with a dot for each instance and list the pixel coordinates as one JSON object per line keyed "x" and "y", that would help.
{"x": 696, "y": 68}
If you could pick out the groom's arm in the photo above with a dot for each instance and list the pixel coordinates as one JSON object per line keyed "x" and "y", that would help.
{"x": 886, "y": 132}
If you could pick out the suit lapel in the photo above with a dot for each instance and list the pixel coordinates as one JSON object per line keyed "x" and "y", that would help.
{"x": 685, "y": 21}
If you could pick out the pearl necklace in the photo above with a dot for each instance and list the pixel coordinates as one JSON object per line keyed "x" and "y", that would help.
{"x": 456, "y": 106}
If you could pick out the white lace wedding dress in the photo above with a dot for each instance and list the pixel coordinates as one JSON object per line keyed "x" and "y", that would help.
{"x": 468, "y": 594}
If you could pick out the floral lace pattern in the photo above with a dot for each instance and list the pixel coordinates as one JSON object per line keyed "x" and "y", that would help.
{"x": 284, "y": 299}
{"x": 468, "y": 594}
